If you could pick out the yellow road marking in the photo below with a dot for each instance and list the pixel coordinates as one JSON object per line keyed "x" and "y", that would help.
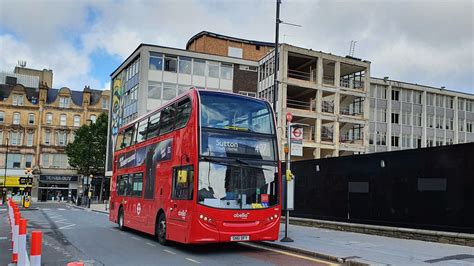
{"x": 289, "y": 254}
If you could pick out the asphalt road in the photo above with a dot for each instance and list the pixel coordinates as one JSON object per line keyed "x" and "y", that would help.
{"x": 74, "y": 234}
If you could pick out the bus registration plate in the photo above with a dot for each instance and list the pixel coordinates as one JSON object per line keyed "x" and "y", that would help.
{"x": 239, "y": 238}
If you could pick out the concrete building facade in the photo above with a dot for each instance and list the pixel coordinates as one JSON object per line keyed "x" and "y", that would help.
{"x": 405, "y": 116}
{"x": 36, "y": 123}
{"x": 153, "y": 75}
{"x": 328, "y": 93}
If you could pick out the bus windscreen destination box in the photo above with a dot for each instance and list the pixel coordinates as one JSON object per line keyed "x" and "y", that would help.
{"x": 226, "y": 145}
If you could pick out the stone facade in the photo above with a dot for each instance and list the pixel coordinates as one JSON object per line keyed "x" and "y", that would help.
{"x": 37, "y": 124}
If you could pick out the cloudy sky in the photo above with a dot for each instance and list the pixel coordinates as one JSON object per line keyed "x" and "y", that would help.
{"x": 420, "y": 41}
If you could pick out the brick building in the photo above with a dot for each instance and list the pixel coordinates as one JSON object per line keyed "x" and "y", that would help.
{"x": 218, "y": 44}
{"x": 36, "y": 123}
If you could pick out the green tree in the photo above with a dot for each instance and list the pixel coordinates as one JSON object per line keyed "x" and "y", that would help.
{"x": 88, "y": 150}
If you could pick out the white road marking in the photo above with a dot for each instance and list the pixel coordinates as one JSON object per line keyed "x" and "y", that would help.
{"x": 61, "y": 209}
{"x": 45, "y": 209}
{"x": 170, "y": 252}
{"x": 136, "y": 238}
{"x": 195, "y": 261}
{"x": 66, "y": 226}
{"x": 150, "y": 244}
{"x": 3, "y": 237}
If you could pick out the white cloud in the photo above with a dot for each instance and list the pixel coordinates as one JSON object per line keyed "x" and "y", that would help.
{"x": 425, "y": 42}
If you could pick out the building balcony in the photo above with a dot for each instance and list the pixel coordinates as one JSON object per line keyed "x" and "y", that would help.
{"x": 327, "y": 107}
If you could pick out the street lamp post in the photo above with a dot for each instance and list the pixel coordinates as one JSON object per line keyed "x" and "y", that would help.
{"x": 4, "y": 189}
{"x": 89, "y": 178}
{"x": 89, "y": 191}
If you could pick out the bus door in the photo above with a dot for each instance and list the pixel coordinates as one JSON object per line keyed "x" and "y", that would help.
{"x": 181, "y": 210}
{"x": 136, "y": 201}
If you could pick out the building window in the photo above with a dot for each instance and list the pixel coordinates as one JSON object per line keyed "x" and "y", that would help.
{"x": 417, "y": 119}
{"x": 429, "y": 99}
{"x": 213, "y": 69}
{"x": 31, "y": 119}
{"x": 1, "y": 137}
{"x": 440, "y": 100}
{"x": 382, "y": 92}
{"x": 16, "y": 118}
{"x": 49, "y": 118}
{"x": 28, "y": 160}
{"x": 395, "y": 95}
{"x": 226, "y": 71}
{"x": 61, "y": 138}
{"x": 439, "y": 122}
{"x": 469, "y": 105}
{"x": 2, "y": 117}
{"x": 461, "y": 104}
{"x": 62, "y": 120}
{"x": 105, "y": 103}
{"x": 29, "y": 139}
{"x": 406, "y": 96}
{"x": 47, "y": 137}
{"x": 64, "y": 102}
{"x": 169, "y": 91}
{"x": 60, "y": 161}
{"x": 93, "y": 118}
{"x": 469, "y": 126}
{"x": 449, "y": 123}
{"x": 439, "y": 141}
{"x": 406, "y": 141}
{"x": 429, "y": 120}
{"x": 45, "y": 159}
{"x": 382, "y": 115}
{"x": 15, "y": 138}
{"x": 406, "y": 118}
{"x": 449, "y": 141}
{"x": 395, "y": 140}
{"x": 381, "y": 138}
{"x": 77, "y": 120}
{"x": 14, "y": 160}
{"x": 417, "y": 97}
{"x": 199, "y": 67}
{"x": 234, "y": 52}
{"x": 185, "y": 64}
{"x": 395, "y": 118}
{"x": 449, "y": 102}
{"x": 171, "y": 63}
{"x": 429, "y": 142}
{"x": 461, "y": 124}
{"x": 17, "y": 100}
{"x": 156, "y": 61}
{"x": 417, "y": 142}
{"x": 248, "y": 93}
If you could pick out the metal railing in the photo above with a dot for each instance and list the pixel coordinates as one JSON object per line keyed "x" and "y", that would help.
{"x": 352, "y": 138}
{"x": 349, "y": 110}
{"x": 327, "y": 134}
{"x": 299, "y": 104}
{"x": 299, "y": 75}
{"x": 352, "y": 84}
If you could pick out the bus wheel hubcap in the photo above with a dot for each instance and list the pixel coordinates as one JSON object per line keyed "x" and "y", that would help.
{"x": 162, "y": 228}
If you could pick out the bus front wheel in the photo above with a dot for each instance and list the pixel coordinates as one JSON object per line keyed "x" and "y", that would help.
{"x": 120, "y": 220}
{"x": 161, "y": 229}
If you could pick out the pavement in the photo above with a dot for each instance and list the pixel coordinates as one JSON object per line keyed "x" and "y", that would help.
{"x": 356, "y": 248}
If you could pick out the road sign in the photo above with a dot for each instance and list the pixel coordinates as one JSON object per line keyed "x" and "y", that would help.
{"x": 289, "y": 117}
{"x": 296, "y": 141}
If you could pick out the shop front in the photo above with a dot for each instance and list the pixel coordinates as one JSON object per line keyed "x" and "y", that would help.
{"x": 15, "y": 187}
{"x": 57, "y": 187}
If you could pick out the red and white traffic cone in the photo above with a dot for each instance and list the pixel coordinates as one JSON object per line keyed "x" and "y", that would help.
{"x": 35, "y": 252}
{"x": 22, "y": 254}
{"x": 15, "y": 237}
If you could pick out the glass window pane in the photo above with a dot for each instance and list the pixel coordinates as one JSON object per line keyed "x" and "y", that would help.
{"x": 183, "y": 88}
{"x": 184, "y": 111}
{"x": 169, "y": 91}
{"x": 154, "y": 126}
{"x": 154, "y": 90}
{"x": 213, "y": 69}
{"x": 199, "y": 67}
{"x": 142, "y": 130}
{"x": 167, "y": 119}
{"x": 156, "y": 61}
{"x": 170, "y": 63}
{"x": 185, "y": 65}
{"x": 226, "y": 71}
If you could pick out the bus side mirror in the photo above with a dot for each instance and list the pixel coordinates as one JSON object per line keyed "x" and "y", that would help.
{"x": 182, "y": 176}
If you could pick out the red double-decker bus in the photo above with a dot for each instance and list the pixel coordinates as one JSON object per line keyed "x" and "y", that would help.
{"x": 203, "y": 168}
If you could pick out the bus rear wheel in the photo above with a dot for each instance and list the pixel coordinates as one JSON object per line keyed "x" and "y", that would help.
{"x": 160, "y": 229}
{"x": 120, "y": 220}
